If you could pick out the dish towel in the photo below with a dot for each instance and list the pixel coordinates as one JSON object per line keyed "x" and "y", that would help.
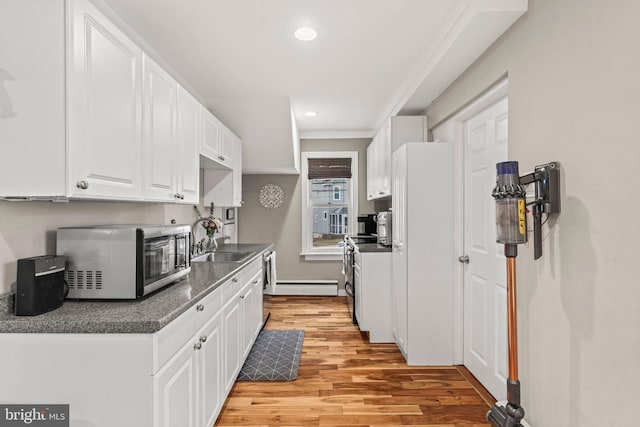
{"x": 270, "y": 273}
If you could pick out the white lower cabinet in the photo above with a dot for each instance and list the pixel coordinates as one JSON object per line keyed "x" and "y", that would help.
{"x": 232, "y": 323}
{"x": 251, "y": 296}
{"x": 372, "y": 274}
{"x": 189, "y": 387}
{"x": 209, "y": 395}
{"x": 176, "y": 377}
{"x": 175, "y": 390}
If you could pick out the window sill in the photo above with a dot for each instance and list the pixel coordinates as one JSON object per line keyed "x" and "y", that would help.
{"x": 310, "y": 256}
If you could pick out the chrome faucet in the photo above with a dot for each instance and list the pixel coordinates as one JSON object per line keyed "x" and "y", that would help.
{"x": 197, "y": 248}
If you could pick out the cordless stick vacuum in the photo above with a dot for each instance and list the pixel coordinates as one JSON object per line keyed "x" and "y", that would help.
{"x": 511, "y": 228}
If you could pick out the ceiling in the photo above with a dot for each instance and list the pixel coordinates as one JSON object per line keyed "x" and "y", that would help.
{"x": 371, "y": 59}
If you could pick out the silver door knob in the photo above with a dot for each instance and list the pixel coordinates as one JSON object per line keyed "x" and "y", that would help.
{"x": 197, "y": 346}
{"x": 464, "y": 259}
{"x": 83, "y": 185}
{"x": 200, "y": 307}
{"x": 203, "y": 338}
{"x": 221, "y": 158}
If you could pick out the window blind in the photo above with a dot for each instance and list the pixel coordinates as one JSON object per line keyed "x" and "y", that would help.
{"x": 330, "y": 168}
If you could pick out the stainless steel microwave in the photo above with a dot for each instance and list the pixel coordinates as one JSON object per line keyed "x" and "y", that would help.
{"x": 123, "y": 261}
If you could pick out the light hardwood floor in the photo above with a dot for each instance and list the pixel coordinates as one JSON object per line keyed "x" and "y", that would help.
{"x": 346, "y": 381}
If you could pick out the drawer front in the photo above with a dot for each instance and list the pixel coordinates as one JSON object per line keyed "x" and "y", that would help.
{"x": 208, "y": 307}
{"x": 249, "y": 271}
{"x": 231, "y": 287}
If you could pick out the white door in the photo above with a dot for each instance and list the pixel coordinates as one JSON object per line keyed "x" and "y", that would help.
{"x": 485, "y": 331}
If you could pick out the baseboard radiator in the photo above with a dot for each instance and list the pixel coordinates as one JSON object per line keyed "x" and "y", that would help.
{"x": 307, "y": 287}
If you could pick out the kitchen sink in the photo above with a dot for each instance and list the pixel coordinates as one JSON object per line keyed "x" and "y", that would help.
{"x": 223, "y": 257}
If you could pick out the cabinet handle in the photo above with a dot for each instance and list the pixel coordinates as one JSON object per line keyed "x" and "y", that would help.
{"x": 227, "y": 237}
{"x": 176, "y": 196}
{"x": 221, "y": 158}
{"x": 83, "y": 185}
{"x": 200, "y": 307}
{"x": 181, "y": 196}
{"x": 380, "y": 192}
{"x": 255, "y": 281}
{"x": 234, "y": 280}
{"x": 197, "y": 346}
{"x": 203, "y": 338}
{"x": 242, "y": 296}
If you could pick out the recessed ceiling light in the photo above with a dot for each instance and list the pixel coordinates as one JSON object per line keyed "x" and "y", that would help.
{"x": 310, "y": 114}
{"x": 305, "y": 34}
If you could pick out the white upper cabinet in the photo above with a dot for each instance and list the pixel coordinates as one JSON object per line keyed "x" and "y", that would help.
{"x": 223, "y": 187}
{"x": 211, "y": 136}
{"x": 396, "y": 131}
{"x": 104, "y": 107}
{"x": 189, "y": 142}
{"x": 89, "y": 116}
{"x": 160, "y": 136}
{"x": 228, "y": 146}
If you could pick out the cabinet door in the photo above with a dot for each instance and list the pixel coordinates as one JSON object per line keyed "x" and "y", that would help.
{"x": 232, "y": 333}
{"x": 104, "y": 108}
{"x": 399, "y": 255}
{"x": 370, "y": 170}
{"x": 227, "y": 146}
{"x": 247, "y": 296}
{"x": 359, "y": 294}
{"x": 384, "y": 165}
{"x": 237, "y": 174}
{"x": 210, "y": 378}
{"x": 189, "y": 147}
{"x": 251, "y": 312}
{"x": 211, "y": 136}
{"x": 175, "y": 390}
{"x": 160, "y": 143}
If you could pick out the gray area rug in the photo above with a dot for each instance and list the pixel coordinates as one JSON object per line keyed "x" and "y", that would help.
{"x": 275, "y": 356}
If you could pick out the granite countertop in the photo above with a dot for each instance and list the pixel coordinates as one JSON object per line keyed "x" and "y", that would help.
{"x": 146, "y": 315}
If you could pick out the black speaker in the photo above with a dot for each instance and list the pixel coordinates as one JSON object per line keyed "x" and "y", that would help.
{"x": 40, "y": 285}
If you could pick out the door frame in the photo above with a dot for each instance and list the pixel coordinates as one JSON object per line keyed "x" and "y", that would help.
{"x": 452, "y": 130}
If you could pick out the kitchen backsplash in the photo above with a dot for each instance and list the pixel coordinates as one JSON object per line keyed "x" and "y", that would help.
{"x": 29, "y": 228}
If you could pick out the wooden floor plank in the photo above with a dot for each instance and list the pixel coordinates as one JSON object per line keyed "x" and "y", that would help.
{"x": 344, "y": 380}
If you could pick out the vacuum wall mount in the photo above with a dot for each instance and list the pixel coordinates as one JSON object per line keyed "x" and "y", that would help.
{"x": 511, "y": 230}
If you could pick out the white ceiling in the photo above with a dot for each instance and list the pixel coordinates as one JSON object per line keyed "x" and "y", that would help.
{"x": 371, "y": 59}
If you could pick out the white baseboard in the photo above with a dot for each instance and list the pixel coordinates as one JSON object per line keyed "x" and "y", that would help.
{"x": 307, "y": 287}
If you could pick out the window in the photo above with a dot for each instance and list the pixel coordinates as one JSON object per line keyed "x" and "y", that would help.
{"x": 329, "y": 198}
{"x": 336, "y": 192}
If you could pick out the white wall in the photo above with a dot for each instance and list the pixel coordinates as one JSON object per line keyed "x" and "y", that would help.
{"x": 574, "y": 97}
{"x": 283, "y": 226}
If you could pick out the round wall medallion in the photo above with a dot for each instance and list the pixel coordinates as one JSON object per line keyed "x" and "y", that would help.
{"x": 271, "y": 196}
